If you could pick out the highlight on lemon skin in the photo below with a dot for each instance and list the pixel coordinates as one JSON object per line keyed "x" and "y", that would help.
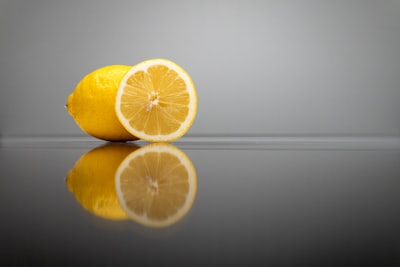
{"x": 92, "y": 182}
{"x": 156, "y": 185}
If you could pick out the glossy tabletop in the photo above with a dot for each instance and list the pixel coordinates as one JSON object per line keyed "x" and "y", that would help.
{"x": 259, "y": 202}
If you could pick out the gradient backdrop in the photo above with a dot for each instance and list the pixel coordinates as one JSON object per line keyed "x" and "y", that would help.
{"x": 260, "y": 67}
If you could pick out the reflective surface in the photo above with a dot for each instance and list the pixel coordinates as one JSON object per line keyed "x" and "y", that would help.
{"x": 258, "y": 201}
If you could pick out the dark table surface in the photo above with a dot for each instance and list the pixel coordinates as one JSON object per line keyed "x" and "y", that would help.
{"x": 259, "y": 202}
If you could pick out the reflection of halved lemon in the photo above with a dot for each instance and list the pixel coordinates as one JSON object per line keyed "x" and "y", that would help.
{"x": 156, "y": 185}
{"x": 156, "y": 101}
{"x": 92, "y": 181}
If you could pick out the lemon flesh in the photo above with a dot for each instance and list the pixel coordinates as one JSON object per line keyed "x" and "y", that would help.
{"x": 156, "y": 101}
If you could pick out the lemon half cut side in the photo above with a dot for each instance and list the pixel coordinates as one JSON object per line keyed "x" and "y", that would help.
{"x": 156, "y": 101}
{"x": 156, "y": 185}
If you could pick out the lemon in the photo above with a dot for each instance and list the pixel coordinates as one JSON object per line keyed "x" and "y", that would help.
{"x": 156, "y": 185}
{"x": 92, "y": 104}
{"x": 92, "y": 182}
{"x": 156, "y": 101}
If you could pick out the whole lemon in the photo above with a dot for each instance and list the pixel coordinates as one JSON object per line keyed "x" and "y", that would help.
{"x": 92, "y": 180}
{"x": 92, "y": 104}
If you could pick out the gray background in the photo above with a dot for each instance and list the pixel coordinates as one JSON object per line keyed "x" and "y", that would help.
{"x": 260, "y": 67}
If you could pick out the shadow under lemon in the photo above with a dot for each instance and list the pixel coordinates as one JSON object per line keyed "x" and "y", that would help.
{"x": 154, "y": 185}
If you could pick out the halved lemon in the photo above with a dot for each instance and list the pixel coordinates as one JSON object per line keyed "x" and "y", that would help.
{"x": 156, "y": 185}
{"x": 156, "y": 101}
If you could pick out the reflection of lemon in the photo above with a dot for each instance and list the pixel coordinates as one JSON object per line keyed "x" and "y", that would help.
{"x": 92, "y": 104}
{"x": 92, "y": 181}
{"x": 156, "y": 185}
